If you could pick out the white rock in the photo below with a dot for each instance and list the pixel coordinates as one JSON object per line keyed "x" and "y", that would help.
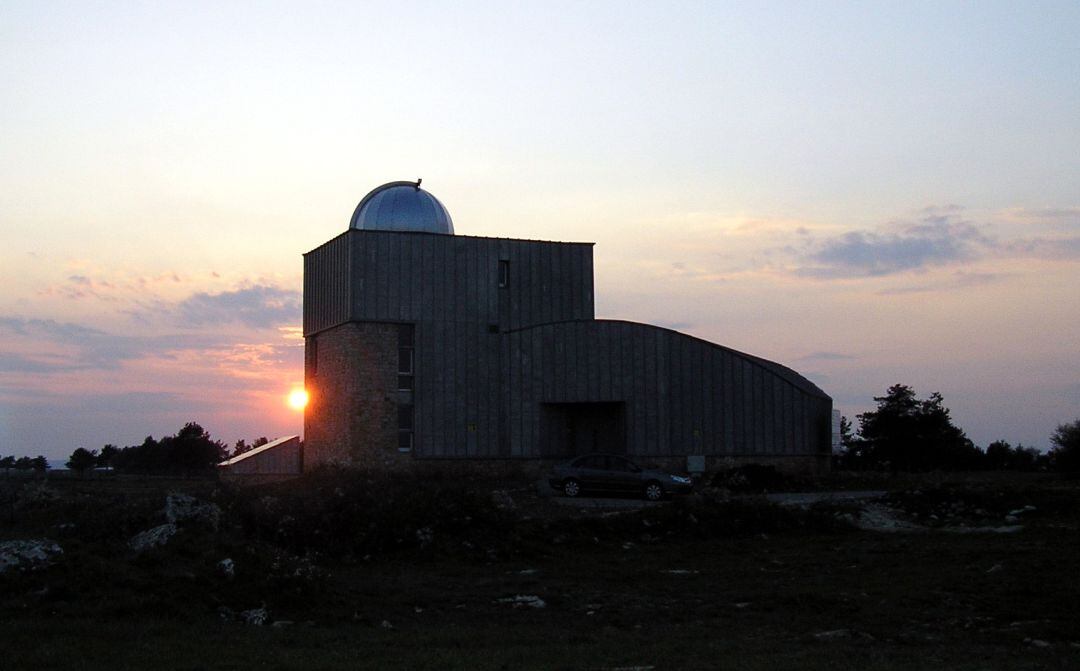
{"x": 181, "y": 508}
{"x": 425, "y": 536}
{"x": 151, "y": 538}
{"x": 832, "y": 634}
{"x": 1021, "y": 511}
{"x": 227, "y": 567}
{"x": 255, "y": 616}
{"x": 28, "y": 555}
{"x": 524, "y": 600}
{"x": 502, "y": 500}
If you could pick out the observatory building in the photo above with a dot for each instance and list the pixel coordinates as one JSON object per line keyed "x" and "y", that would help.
{"x": 426, "y": 345}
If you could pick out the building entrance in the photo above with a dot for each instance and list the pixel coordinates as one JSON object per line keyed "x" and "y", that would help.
{"x": 570, "y": 429}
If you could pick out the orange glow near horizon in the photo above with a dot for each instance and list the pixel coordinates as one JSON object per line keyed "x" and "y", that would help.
{"x": 298, "y": 399}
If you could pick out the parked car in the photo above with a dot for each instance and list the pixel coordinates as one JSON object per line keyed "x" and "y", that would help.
{"x": 612, "y": 474}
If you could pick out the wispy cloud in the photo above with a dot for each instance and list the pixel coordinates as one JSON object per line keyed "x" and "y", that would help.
{"x": 937, "y": 239}
{"x": 1047, "y": 248}
{"x": 89, "y": 348}
{"x": 258, "y": 306}
{"x": 959, "y": 280}
{"x": 825, "y": 356}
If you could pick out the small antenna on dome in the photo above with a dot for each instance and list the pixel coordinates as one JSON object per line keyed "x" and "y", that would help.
{"x": 418, "y": 180}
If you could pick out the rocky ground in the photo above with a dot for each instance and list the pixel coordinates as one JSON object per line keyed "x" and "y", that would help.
{"x": 368, "y": 572}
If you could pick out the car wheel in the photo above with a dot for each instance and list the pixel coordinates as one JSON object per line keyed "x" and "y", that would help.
{"x": 653, "y": 491}
{"x": 571, "y": 487}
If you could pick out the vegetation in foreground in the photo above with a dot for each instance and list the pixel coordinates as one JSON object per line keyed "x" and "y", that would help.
{"x": 346, "y": 569}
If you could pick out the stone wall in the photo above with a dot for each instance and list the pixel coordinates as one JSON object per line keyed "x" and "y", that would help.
{"x": 350, "y": 373}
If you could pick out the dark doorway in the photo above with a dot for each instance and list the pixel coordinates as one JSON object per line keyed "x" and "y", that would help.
{"x": 569, "y": 429}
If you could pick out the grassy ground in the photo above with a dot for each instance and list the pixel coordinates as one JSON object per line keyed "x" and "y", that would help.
{"x": 697, "y": 584}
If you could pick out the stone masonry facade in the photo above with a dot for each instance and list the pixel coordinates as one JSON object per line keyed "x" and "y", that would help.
{"x": 351, "y": 373}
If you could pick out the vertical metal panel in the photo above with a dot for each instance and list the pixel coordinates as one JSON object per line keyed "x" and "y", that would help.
{"x": 591, "y": 345}
{"x": 488, "y": 272}
{"x": 637, "y": 360}
{"x": 516, "y": 398}
{"x": 536, "y": 384}
{"x": 712, "y": 424}
{"x": 475, "y": 253}
{"x": 603, "y": 362}
{"x": 586, "y": 282}
{"x": 779, "y": 386}
{"x": 518, "y": 274}
{"x": 432, "y": 378}
{"x": 789, "y": 419}
{"x": 472, "y": 388}
{"x": 391, "y": 247}
{"x": 570, "y": 272}
{"x": 560, "y": 371}
{"x": 728, "y": 395}
{"x": 534, "y": 289}
{"x": 765, "y": 411}
{"x": 505, "y": 386}
{"x": 797, "y": 424}
{"x": 664, "y": 393}
{"x": 543, "y": 300}
{"x": 459, "y": 421}
{"x": 582, "y": 355}
{"x": 494, "y": 393}
{"x": 547, "y": 363}
{"x": 746, "y": 418}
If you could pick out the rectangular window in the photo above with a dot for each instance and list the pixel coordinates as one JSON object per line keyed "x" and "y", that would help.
{"x": 313, "y": 355}
{"x": 405, "y": 361}
{"x": 405, "y": 428}
{"x": 504, "y": 274}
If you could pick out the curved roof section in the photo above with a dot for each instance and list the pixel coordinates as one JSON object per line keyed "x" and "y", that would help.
{"x": 402, "y": 206}
{"x": 783, "y": 372}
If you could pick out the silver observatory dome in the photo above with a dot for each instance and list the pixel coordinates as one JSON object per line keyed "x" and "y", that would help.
{"x": 402, "y": 206}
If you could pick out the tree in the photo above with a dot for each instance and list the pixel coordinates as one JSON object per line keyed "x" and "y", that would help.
{"x": 1002, "y": 456}
{"x": 906, "y": 434}
{"x": 846, "y": 436}
{"x": 7, "y": 462}
{"x": 82, "y": 460}
{"x": 107, "y": 456}
{"x": 192, "y": 449}
{"x": 1065, "y": 456}
{"x": 242, "y": 445}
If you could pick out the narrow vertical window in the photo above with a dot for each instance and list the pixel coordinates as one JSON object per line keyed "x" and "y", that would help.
{"x": 313, "y": 356}
{"x": 405, "y": 428}
{"x": 504, "y": 274}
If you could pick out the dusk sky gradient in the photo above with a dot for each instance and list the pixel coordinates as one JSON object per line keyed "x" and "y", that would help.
{"x": 870, "y": 193}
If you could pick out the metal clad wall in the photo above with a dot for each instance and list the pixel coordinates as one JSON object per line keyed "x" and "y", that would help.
{"x": 326, "y": 286}
{"x": 677, "y": 390}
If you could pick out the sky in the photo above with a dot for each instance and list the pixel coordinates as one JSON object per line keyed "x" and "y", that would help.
{"x": 870, "y": 192}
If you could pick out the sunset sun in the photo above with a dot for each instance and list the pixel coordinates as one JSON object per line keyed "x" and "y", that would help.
{"x": 298, "y": 399}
